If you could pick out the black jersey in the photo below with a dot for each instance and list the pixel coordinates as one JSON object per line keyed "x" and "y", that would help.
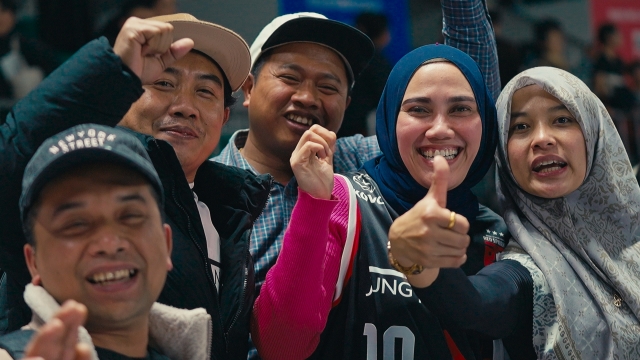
{"x": 378, "y": 316}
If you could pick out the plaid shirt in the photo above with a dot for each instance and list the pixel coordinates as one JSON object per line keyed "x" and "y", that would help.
{"x": 268, "y": 230}
{"x": 466, "y": 26}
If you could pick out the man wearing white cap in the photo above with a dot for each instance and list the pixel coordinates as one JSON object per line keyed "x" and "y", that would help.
{"x": 303, "y": 68}
{"x": 177, "y": 113}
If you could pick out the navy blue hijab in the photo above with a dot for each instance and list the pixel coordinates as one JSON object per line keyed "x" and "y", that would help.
{"x": 398, "y": 187}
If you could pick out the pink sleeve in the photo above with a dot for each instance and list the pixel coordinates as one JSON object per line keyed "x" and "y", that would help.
{"x": 295, "y": 299}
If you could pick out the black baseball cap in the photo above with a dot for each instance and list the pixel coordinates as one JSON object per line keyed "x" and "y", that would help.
{"x": 80, "y": 145}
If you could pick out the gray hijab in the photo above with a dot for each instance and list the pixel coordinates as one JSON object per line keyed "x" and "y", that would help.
{"x": 582, "y": 249}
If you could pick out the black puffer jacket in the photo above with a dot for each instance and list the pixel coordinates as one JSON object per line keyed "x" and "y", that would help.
{"x": 94, "y": 86}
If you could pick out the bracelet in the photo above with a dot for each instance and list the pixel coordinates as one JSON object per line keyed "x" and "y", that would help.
{"x": 414, "y": 269}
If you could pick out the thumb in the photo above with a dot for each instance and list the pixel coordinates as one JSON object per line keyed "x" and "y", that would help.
{"x": 439, "y": 183}
{"x": 177, "y": 50}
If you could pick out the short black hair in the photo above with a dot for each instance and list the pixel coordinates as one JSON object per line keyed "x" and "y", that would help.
{"x": 605, "y": 31}
{"x": 372, "y": 24}
{"x": 259, "y": 64}
{"x": 229, "y": 100}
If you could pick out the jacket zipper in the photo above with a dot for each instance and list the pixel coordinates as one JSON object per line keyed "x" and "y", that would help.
{"x": 246, "y": 271}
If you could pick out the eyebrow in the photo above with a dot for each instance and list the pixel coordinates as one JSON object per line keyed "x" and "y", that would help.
{"x": 325, "y": 75}
{"x": 453, "y": 99}
{"x": 210, "y": 77}
{"x": 551, "y": 109}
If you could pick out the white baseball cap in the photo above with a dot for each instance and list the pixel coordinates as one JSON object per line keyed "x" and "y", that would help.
{"x": 354, "y": 47}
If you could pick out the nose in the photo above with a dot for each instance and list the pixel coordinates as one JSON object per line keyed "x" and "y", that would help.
{"x": 543, "y": 137}
{"x": 183, "y": 106}
{"x": 108, "y": 242}
{"x": 440, "y": 129}
{"x": 306, "y": 95}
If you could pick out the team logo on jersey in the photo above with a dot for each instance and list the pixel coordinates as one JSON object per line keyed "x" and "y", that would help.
{"x": 493, "y": 245}
{"x": 388, "y": 281}
{"x": 364, "y": 181}
{"x": 366, "y": 184}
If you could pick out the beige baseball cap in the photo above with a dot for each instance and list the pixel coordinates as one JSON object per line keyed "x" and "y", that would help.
{"x": 224, "y": 46}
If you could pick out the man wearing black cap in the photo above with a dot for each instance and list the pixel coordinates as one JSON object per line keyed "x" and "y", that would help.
{"x": 177, "y": 114}
{"x": 91, "y": 206}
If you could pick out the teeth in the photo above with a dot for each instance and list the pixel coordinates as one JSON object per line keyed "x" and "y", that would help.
{"x": 105, "y": 277}
{"x": 550, "y": 169}
{"x": 446, "y": 153}
{"x": 300, "y": 119}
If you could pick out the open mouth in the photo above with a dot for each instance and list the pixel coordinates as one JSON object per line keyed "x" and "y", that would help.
{"x": 112, "y": 277}
{"x": 448, "y": 154}
{"x": 301, "y": 119}
{"x": 549, "y": 166}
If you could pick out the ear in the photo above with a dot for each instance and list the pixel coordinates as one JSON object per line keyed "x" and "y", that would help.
{"x": 348, "y": 102}
{"x": 30, "y": 257}
{"x": 169, "y": 241}
{"x": 227, "y": 111}
{"x": 247, "y": 87}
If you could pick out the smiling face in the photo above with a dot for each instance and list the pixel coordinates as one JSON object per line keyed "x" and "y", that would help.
{"x": 184, "y": 106}
{"x": 100, "y": 240}
{"x": 438, "y": 116}
{"x": 300, "y": 84}
{"x": 546, "y": 146}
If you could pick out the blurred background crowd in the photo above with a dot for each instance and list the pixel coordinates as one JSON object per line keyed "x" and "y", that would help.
{"x": 596, "y": 40}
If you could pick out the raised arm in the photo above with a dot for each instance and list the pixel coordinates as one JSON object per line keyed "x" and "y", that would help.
{"x": 466, "y": 25}
{"x": 295, "y": 299}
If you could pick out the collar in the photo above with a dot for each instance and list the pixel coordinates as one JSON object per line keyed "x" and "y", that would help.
{"x": 177, "y": 333}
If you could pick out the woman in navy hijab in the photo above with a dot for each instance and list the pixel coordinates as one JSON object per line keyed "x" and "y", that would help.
{"x": 358, "y": 246}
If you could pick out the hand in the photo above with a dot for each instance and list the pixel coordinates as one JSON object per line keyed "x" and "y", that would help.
{"x": 147, "y": 47}
{"x": 58, "y": 338}
{"x": 421, "y": 236}
{"x": 312, "y": 162}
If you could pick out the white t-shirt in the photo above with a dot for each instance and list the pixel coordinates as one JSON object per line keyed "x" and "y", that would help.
{"x": 213, "y": 239}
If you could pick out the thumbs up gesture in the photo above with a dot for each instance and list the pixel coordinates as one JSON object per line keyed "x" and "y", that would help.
{"x": 147, "y": 47}
{"x": 312, "y": 162}
{"x": 429, "y": 234}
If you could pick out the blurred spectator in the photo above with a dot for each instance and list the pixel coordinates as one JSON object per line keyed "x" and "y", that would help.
{"x": 609, "y": 70}
{"x": 20, "y": 63}
{"x": 139, "y": 8}
{"x": 550, "y": 46}
{"x": 510, "y": 56}
{"x": 367, "y": 90}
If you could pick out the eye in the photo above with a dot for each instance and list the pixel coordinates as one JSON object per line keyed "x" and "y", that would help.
{"x": 74, "y": 227}
{"x": 288, "y": 78}
{"x": 132, "y": 217}
{"x": 328, "y": 89}
{"x": 564, "y": 120}
{"x": 163, "y": 84}
{"x": 518, "y": 127}
{"x": 417, "y": 110}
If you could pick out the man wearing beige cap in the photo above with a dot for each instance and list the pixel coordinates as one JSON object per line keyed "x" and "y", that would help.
{"x": 177, "y": 114}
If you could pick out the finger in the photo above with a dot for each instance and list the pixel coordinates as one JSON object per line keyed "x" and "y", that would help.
{"x": 310, "y": 151}
{"x": 177, "y": 50}
{"x": 461, "y": 225}
{"x": 311, "y": 137}
{"x": 83, "y": 352}
{"x": 439, "y": 182}
{"x": 48, "y": 341}
{"x": 328, "y": 135}
{"x": 72, "y": 314}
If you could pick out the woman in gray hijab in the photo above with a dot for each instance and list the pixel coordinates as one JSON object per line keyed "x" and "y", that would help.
{"x": 572, "y": 205}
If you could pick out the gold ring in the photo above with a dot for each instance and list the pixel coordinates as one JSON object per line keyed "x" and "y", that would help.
{"x": 452, "y": 220}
